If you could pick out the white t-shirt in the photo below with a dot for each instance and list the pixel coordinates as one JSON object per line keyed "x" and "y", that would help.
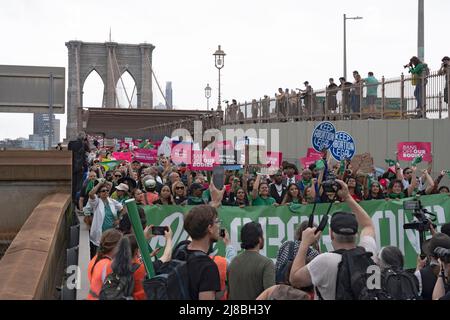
{"x": 323, "y": 268}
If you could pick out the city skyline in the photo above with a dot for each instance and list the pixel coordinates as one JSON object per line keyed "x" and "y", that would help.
{"x": 268, "y": 44}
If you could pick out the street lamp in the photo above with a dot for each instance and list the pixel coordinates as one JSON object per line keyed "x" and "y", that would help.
{"x": 345, "y": 41}
{"x": 207, "y": 95}
{"x": 219, "y": 57}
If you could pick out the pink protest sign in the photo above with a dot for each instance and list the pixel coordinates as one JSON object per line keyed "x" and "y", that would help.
{"x": 146, "y": 155}
{"x": 307, "y": 161}
{"x": 311, "y": 152}
{"x": 122, "y": 156}
{"x": 181, "y": 153}
{"x": 408, "y": 151}
{"x": 274, "y": 159}
{"x": 203, "y": 161}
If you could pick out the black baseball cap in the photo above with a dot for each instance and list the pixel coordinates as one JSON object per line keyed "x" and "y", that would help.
{"x": 344, "y": 223}
{"x": 446, "y": 58}
{"x": 438, "y": 240}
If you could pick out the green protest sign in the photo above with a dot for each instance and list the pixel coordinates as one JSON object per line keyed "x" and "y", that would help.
{"x": 279, "y": 223}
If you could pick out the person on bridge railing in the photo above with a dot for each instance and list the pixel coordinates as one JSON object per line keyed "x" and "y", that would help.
{"x": 372, "y": 92}
{"x": 265, "y": 105}
{"x": 332, "y": 90}
{"x": 356, "y": 95}
{"x": 345, "y": 89}
{"x": 419, "y": 72}
{"x": 444, "y": 70}
{"x": 281, "y": 104}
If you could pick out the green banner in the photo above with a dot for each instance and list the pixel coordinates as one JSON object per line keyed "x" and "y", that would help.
{"x": 279, "y": 223}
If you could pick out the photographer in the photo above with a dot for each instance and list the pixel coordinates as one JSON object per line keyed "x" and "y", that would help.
{"x": 444, "y": 70}
{"x": 322, "y": 272}
{"x": 442, "y": 252}
{"x": 418, "y": 70}
{"x": 427, "y": 271}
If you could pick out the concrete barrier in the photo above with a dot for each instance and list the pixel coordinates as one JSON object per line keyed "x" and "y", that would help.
{"x": 33, "y": 262}
{"x": 26, "y": 177}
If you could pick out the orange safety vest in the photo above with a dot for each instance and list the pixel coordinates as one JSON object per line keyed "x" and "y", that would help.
{"x": 96, "y": 277}
{"x": 221, "y": 263}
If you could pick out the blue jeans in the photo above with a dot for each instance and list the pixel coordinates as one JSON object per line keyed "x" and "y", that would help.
{"x": 418, "y": 95}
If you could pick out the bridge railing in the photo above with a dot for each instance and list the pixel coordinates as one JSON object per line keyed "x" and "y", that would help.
{"x": 399, "y": 98}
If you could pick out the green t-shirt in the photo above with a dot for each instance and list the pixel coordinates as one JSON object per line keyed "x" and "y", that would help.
{"x": 259, "y": 201}
{"x": 249, "y": 274}
{"x": 372, "y": 86}
{"x": 108, "y": 220}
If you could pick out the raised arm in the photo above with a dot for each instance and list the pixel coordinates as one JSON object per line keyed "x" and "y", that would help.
{"x": 430, "y": 182}
{"x": 413, "y": 183}
{"x": 256, "y": 187}
{"x": 167, "y": 255}
{"x": 364, "y": 220}
{"x": 94, "y": 190}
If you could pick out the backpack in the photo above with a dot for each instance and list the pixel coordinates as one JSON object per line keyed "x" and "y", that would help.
{"x": 352, "y": 276}
{"x": 400, "y": 284}
{"x": 172, "y": 280}
{"x": 118, "y": 287}
{"x": 282, "y": 270}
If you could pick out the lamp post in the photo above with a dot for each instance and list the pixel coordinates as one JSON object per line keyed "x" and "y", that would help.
{"x": 219, "y": 59}
{"x": 345, "y": 41}
{"x": 207, "y": 95}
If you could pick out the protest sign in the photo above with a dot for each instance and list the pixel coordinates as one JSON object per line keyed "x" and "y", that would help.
{"x": 125, "y": 156}
{"x": 343, "y": 146}
{"x": 307, "y": 161}
{"x": 274, "y": 159}
{"x": 165, "y": 147}
{"x": 362, "y": 162}
{"x": 312, "y": 152}
{"x": 408, "y": 151}
{"x": 203, "y": 161}
{"x": 146, "y": 155}
{"x": 279, "y": 223}
{"x": 323, "y": 136}
{"x": 181, "y": 153}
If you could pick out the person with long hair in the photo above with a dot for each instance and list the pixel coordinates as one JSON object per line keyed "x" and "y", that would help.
{"x": 293, "y": 195}
{"x": 375, "y": 192}
{"x": 179, "y": 193}
{"x": 418, "y": 70}
{"x": 100, "y": 266}
{"x": 165, "y": 197}
{"x": 354, "y": 189}
{"x": 240, "y": 199}
{"x": 128, "y": 261}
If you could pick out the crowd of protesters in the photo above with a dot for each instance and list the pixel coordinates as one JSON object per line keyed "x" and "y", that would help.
{"x": 249, "y": 275}
{"x": 290, "y": 103}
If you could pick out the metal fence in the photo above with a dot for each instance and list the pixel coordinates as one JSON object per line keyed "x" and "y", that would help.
{"x": 399, "y": 98}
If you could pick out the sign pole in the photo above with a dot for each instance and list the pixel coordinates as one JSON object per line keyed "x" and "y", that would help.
{"x": 140, "y": 238}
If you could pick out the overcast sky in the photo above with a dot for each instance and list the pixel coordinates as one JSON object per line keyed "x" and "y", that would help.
{"x": 269, "y": 44}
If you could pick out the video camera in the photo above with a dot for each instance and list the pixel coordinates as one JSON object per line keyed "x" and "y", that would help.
{"x": 422, "y": 215}
{"x": 330, "y": 185}
{"x": 422, "y": 223}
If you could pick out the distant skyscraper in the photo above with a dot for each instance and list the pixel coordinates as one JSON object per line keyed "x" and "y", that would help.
{"x": 169, "y": 95}
{"x": 42, "y": 126}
